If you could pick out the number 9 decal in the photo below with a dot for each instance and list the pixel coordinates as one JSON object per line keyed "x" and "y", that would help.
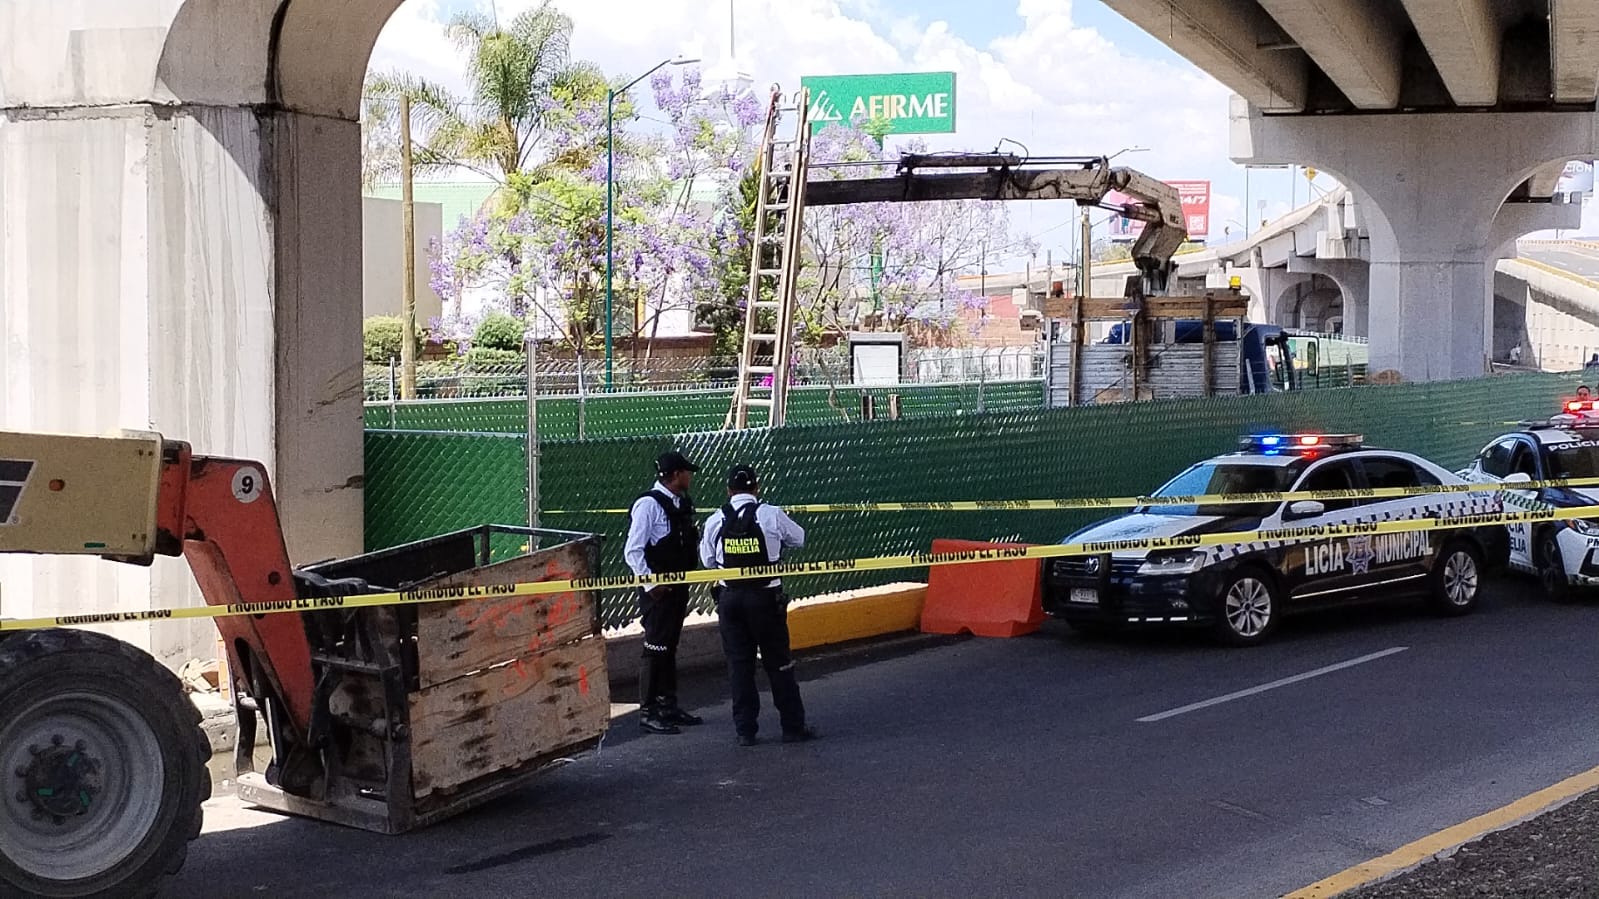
{"x": 247, "y": 484}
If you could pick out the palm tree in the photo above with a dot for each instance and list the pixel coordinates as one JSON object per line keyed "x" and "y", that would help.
{"x": 522, "y": 81}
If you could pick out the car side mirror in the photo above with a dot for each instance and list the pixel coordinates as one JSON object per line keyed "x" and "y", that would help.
{"x": 1305, "y": 508}
{"x": 1518, "y": 477}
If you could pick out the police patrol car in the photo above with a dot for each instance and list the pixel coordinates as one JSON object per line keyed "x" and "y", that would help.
{"x": 1563, "y": 554}
{"x": 1242, "y": 591}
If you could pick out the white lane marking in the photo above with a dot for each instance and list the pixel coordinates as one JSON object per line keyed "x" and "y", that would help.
{"x": 1205, "y": 704}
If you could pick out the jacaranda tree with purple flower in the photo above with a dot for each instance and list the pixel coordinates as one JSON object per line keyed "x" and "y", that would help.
{"x": 542, "y": 258}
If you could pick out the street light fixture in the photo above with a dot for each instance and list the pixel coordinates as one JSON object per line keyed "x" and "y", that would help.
{"x": 610, "y": 194}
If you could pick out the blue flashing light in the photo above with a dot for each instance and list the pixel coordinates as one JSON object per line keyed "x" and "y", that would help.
{"x": 1278, "y": 444}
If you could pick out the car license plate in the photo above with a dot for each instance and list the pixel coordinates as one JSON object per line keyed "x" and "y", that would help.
{"x": 1085, "y": 595}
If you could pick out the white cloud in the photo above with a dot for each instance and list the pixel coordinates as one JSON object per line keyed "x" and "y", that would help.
{"x": 1056, "y": 86}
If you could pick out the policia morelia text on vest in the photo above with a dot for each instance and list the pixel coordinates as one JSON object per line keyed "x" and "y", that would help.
{"x": 743, "y": 543}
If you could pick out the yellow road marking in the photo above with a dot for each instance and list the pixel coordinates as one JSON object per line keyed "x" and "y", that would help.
{"x": 1413, "y": 854}
{"x": 1569, "y": 276}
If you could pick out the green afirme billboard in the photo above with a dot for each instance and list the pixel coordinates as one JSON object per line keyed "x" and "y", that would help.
{"x": 909, "y": 103}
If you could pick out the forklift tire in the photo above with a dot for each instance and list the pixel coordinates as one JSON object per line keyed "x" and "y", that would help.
{"x": 102, "y": 767}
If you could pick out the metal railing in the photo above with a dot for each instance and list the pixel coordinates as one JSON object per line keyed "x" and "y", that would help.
{"x": 564, "y": 377}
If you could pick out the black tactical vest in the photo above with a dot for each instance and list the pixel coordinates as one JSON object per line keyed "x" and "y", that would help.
{"x": 743, "y": 543}
{"x": 679, "y": 549}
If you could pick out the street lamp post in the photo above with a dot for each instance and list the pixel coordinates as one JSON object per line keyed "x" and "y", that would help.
{"x": 610, "y": 195}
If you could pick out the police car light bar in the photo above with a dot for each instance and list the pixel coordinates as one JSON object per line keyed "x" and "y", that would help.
{"x": 1562, "y": 421}
{"x": 1276, "y": 443}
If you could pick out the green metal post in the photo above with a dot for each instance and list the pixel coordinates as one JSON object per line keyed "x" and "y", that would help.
{"x": 610, "y": 199}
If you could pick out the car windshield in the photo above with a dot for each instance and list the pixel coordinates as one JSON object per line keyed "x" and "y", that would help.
{"x": 1575, "y": 461}
{"x": 1225, "y": 477}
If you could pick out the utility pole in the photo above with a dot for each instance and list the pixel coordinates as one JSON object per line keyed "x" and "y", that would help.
{"x": 531, "y": 350}
{"x": 1088, "y": 258}
{"x": 408, "y": 289}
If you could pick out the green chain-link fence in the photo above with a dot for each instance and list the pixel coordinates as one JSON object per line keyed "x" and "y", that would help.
{"x": 423, "y": 484}
{"x": 681, "y": 412}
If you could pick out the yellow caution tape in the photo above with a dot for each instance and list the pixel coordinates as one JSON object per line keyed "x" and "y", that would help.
{"x": 1128, "y": 502}
{"x": 811, "y": 569}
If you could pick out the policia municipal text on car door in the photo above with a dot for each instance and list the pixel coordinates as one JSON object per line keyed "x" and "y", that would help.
{"x": 1241, "y": 591}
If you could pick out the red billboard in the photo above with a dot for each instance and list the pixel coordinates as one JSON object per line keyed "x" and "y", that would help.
{"x": 1196, "y": 208}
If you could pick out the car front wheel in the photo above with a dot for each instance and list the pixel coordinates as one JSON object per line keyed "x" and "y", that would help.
{"x": 1457, "y": 579}
{"x": 1249, "y": 608}
{"x": 1552, "y": 567}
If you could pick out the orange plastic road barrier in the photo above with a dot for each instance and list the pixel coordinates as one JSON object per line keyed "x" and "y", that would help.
{"x": 994, "y": 599}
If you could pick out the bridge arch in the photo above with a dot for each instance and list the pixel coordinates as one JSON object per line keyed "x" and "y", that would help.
{"x": 1313, "y": 302}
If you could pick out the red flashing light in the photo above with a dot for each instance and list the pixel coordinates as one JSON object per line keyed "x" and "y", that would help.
{"x": 1309, "y": 440}
{"x": 1574, "y": 406}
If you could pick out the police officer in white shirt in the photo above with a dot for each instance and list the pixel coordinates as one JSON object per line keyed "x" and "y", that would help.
{"x": 661, "y": 539}
{"x": 752, "y": 613}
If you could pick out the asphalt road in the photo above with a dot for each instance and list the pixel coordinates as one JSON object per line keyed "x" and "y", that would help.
{"x": 1017, "y": 767}
{"x": 1577, "y": 261}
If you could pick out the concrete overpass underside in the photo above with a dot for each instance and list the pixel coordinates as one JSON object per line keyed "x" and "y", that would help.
{"x": 1449, "y": 120}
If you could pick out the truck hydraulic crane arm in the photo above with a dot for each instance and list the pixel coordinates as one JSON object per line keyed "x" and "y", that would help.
{"x": 1086, "y": 179}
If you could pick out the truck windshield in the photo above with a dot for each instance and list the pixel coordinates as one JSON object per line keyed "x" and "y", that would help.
{"x": 1576, "y": 461}
{"x": 1223, "y": 478}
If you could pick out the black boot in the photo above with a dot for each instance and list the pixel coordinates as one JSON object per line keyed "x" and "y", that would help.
{"x": 802, "y": 734}
{"x": 651, "y": 721}
{"x": 651, "y": 715}
{"x": 671, "y": 711}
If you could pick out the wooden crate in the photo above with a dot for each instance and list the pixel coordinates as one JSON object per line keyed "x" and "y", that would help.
{"x": 507, "y": 681}
{"x": 447, "y": 705}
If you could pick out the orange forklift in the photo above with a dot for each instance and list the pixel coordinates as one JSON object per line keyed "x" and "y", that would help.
{"x": 386, "y": 718}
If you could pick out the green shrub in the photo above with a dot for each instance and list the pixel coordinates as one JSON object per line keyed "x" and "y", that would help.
{"x": 480, "y": 356}
{"x": 498, "y": 331}
{"x": 380, "y": 338}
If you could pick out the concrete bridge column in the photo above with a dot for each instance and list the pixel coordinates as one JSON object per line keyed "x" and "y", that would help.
{"x": 1431, "y": 187}
{"x": 180, "y": 250}
{"x": 1353, "y": 279}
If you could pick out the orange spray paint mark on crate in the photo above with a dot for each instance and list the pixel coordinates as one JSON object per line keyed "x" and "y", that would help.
{"x": 583, "y": 679}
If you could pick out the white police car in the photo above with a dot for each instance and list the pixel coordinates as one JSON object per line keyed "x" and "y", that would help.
{"x": 1563, "y": 554}
{"x": 1243, "y": 591}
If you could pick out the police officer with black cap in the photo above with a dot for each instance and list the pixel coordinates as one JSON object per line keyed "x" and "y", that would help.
{"x": 752, "y": 613}
{"x": 661, "y": 539}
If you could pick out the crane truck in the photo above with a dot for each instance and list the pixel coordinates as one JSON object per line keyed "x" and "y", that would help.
{"x": 1157, "y": 361}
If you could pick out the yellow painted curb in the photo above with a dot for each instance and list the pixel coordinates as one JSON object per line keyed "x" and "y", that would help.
{"x": 1412, "y": 854}
{"x": 856, "y": 615}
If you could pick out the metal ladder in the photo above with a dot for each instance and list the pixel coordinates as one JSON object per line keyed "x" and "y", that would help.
{"x": 781, "y": 194}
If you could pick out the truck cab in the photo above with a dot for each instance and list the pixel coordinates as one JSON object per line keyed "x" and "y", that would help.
{"x": 1265, "y": 357}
